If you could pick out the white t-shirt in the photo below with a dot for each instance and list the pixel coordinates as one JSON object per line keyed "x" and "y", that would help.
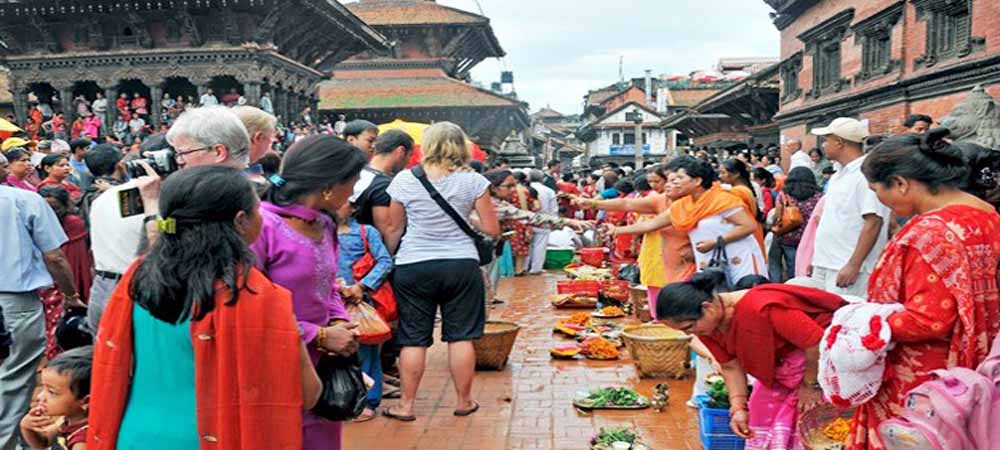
{"x": 430, "y": 232}
{"x": 848, "y": 200}
{"x": 548, "y": 201}
{"x": 745, "y": 256}
{"x": 114, "y": 239}
{"x": 801, "y": 159}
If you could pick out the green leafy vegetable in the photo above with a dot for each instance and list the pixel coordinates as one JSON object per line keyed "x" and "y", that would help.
{"x": 614, "y": 397}
{"x": 608, "y": 436}
{"x": 719, "y": 395}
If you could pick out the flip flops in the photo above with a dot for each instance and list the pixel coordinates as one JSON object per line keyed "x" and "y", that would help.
{"x": 467, "y": 412}
{"x": 388, "y": 413}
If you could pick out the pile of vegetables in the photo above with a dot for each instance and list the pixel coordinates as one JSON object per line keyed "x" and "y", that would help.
{"x": 718, "y": 395}
{"x": 614, "y": 397}
{"x": 608, "y": 436}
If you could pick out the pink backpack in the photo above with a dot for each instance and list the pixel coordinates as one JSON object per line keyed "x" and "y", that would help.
{"x": 957, "y": 409}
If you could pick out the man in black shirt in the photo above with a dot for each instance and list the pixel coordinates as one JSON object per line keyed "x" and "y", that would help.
{"x": 391, "y": 153}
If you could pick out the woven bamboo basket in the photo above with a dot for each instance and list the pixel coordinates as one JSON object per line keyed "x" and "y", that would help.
{"x": 493, "y": 349}
{"x": 811, "y": 423}
{"x": 658, "y": 350}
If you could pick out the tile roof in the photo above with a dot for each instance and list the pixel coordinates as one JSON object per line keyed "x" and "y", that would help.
{"x": 410, "y": 12}
{"x": 343, "y": 93}
{"x": 690, "y": 97}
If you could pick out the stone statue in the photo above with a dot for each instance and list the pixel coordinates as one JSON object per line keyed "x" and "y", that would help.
{"x": 975, "y": 129}
{"x": 976, "y": 119}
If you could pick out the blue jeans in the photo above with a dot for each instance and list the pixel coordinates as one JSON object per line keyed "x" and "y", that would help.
{"x": 371, "y": 365}
{"x": 781, "y": 262}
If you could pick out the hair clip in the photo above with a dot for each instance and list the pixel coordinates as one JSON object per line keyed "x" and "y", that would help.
{"x": 277, "y": 180}
{"x": 168, "y": 225}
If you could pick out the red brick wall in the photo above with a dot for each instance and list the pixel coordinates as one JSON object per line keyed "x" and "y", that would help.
{"x": 908, "y": 43}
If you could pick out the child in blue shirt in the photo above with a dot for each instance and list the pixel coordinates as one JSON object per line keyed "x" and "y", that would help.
{"x": 351, "y": 250}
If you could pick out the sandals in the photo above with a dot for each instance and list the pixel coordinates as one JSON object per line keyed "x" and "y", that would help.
{"x": 467, "y": 412}
{"x": 388, "y": 413}
{"x": 365, "y": 418}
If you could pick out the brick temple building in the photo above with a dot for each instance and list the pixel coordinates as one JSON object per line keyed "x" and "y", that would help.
{"x": 881, "y": 60}
{"x": 57, "y": 49}
{"x": 426, "y": 76}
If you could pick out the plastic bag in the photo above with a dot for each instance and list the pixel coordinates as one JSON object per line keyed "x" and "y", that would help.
{"x": 629, "y": 272}
{"x": 344, "y": 393}
{"x": 372, "y": 328}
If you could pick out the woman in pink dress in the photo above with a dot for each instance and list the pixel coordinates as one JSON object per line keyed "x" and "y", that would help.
{"x": 317, "y": 177}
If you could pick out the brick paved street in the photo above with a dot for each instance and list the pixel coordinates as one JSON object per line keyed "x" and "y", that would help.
{"x": 528, "y": 405}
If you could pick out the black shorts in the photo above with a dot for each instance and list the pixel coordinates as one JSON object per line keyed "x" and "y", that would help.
{"x": 454, "y": 284}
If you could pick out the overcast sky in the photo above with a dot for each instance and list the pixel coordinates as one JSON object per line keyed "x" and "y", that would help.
{"x": 559, "y": 49}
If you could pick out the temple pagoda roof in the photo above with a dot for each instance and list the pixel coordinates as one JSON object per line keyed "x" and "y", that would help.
{"x": 414, "y": 88}
{"x": 396, "y": 14}
{"x": 411, "y": 12}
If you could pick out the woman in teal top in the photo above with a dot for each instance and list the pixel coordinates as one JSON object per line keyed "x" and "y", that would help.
{"x": 161, "y": 407}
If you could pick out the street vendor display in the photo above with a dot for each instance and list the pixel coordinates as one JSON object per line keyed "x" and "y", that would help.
{"x": 610, "y": 398}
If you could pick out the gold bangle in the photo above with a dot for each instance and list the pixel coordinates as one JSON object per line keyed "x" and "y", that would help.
{"x": 321, "y": 337}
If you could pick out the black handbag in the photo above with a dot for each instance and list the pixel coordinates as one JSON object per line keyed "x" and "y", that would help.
{"x": 485, "y": 247}
{"x": 344, "y": 393}
{"x": 720, "y": 262}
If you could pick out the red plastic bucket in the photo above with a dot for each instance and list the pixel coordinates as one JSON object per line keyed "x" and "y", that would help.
{"x": 592, "y": 256}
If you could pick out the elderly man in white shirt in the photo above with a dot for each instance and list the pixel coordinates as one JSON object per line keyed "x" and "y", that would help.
{"x": 853, "y": 227}
{"x": 792, "y": 156}
{"x": 540, "y": 239}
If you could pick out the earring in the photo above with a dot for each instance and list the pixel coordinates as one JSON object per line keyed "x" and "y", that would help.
{"x": 327, "y": 195}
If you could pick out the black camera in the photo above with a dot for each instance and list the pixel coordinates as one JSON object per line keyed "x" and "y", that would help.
{"x": 163, "y": 161}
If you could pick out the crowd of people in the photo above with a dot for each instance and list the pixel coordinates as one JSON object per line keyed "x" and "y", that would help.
{"x": 145, "y": 278}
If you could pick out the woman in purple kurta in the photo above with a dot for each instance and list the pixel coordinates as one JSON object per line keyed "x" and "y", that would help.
{"x": 297, "y": 249}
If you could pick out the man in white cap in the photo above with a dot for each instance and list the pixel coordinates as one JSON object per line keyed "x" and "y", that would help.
{"x": 853, "y": 226}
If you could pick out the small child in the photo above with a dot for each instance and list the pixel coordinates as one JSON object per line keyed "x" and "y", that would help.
{"x": 352, "y": 248}
{"x": 59, "y": 419}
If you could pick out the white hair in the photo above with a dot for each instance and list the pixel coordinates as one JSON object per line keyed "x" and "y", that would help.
{"x": 536, "y": 176}
{"x": 213, "y": 125}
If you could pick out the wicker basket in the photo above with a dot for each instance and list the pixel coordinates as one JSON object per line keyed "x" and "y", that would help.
{"x": 658, "y": 349}
{"x": 493, "y": 349}
{"x": 812, "y": 422}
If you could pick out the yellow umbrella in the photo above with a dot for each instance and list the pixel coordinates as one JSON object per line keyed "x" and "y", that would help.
{"x": 414, "y": 129}
{"x": 5, "y": 125}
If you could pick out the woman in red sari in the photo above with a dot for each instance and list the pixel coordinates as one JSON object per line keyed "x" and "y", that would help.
{"x": 941, "y": 266}
{"x": 55, "y": 171}
{"x": 771, "y": 332}
{"x": 77, "y": 251}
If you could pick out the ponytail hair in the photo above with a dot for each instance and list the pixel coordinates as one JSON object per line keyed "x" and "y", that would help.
{"x": 313, "y": 164}
{"x": 927, "y": 158}
{"x": 683, "y": 300}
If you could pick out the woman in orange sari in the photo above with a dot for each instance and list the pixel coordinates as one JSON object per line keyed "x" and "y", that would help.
{"x": 941, "y": 266}
{"x": 707, "y": 213}
{"x": 665, "y": 255}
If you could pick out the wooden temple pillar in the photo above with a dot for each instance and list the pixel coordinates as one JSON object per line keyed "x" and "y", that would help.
{"x": 251, "y": 91}
{"x": 111, "y": 94}
{"x": 155, "y": 105}
{"x": 66, "y": 100}
{"x": 20, "y": 106}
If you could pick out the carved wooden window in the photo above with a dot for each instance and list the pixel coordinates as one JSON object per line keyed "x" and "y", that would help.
{"x": 790, "y": 88}
{"x": 875, "y": 36}
{"x": 823, "y": 42}
{"x": 949, "y": 30}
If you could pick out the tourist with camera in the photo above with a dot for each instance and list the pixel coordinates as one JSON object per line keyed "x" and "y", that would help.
{"x": 211, "y": 135}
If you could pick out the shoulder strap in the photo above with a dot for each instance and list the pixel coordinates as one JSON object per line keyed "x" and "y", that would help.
{"x": 364, "y": 236}
{"x": 418, "y": 172}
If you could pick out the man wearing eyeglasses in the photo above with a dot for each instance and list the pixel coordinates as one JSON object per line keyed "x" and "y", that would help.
{"x": 200, "y": 136}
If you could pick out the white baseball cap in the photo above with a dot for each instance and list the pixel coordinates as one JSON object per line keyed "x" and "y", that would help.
{"x": 846, "y": 128}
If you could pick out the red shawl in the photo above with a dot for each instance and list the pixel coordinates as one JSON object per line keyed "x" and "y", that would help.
{"x": 247, "y": 381}
{"x": 751, "y": 330}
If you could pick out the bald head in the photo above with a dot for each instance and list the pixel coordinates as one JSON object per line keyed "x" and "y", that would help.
{"x": 792, "y": 146}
